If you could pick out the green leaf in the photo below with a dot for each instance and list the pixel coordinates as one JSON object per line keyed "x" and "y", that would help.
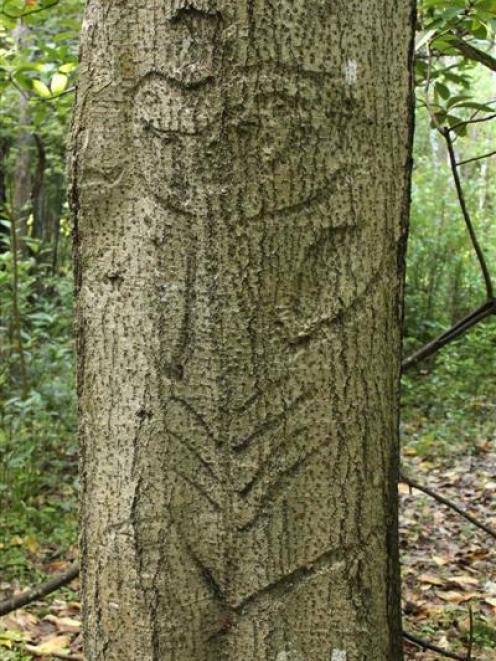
{"x": 442, "y": 90}
{"x": 41, "y": 89}
{"x": 67, "y": 67}
{"x": 455, "y": 100}
{"x": 58, "y": 83}
{"x": 476, "y": 106}
{"x": 25, "y": 82}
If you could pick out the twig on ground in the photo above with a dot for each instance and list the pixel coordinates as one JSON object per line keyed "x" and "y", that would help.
{"x": 424, "y": 644}
{"x": 28, "y": 596}
{"x": 448, "y": 503}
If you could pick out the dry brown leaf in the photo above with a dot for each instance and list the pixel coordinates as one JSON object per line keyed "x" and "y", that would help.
{"x": 49, "y": 646}
{"x": 458, "y": 597}
{"x": 64, "y": 624}
{"x": 430, "y": 579}
{"x": 463, "y": 580}
{"x": 20, "y": 620}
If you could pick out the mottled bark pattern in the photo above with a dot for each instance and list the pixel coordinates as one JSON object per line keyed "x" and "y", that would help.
{"x": 240, "y": 186}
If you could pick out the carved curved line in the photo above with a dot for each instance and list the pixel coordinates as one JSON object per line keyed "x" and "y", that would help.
{"x": 94, "y": 177}
{"x": 271, "y": 423}
{"x": 194, "y": 452}
{"x": 320, "y": 195}
{"x": 278, "y": 486}
{"x": 265, "y": 467}
{"x": 199, "y": 488}
{"x": 195, "y": 414}
{"x": 178, "y": 83}
{"x": 308, "y": 334}
{"x": 206, "y": 573}
{"x": 289, "y": 582}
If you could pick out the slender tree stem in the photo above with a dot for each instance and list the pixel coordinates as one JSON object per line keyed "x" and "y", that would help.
{"x": 471, "y": 633}
{"x": 468, "y": 222}
{"x": 15, "y": 306}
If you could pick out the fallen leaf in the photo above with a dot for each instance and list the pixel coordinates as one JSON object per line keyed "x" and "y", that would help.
{"x": 21, "y": 621}
{"x": 31, "y": 545}
{"x": 7, "y": 638}
{"x": 458, "y": 597}
{"x": 49, "y": 646}
{"x": 463, "y": 579}
{"x": 430, "y": 579}
{"x": 64, "y": 624}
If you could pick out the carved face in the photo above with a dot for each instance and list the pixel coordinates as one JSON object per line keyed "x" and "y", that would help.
{"x": 230, "y": 130}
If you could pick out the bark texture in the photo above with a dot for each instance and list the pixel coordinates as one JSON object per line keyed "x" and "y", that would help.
{"x": 240, "y": 195}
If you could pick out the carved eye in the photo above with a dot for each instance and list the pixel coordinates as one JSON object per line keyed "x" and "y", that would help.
{"x": 167, "y": 136}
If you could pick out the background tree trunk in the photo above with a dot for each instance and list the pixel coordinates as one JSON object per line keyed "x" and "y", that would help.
{"x": 21, "y": 185}
{"x": 240, "y": 194}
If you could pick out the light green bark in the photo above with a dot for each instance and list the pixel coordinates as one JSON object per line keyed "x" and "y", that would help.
{"x": 240, "y": 195}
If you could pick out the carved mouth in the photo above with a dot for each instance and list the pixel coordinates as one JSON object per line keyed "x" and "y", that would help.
{"x": 106, "y": 176}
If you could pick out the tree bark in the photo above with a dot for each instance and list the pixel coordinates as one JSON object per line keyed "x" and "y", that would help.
{"x": 240, "y": 196}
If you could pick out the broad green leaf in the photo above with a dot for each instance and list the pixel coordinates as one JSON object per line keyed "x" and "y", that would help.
{"x": 442, "y": 90}
{"x": 58, "y": 83}
{"x": 41, "y": 89}
{"x": 68, "y": 67}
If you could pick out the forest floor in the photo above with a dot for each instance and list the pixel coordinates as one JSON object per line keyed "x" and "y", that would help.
{"x": 449, "y": 569}
{"x": 448, "y": 565}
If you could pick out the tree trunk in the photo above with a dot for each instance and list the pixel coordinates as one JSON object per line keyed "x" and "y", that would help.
{"x": 21, "y": 193}
{"x": 38, "y": 201}
{"x": 240, "y": 195}
{"x": 4, "y": 231}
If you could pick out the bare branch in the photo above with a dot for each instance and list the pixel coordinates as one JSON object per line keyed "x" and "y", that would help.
{"x": 472, "y": 53}
{"x": 451, "y": 334}
{"x": 448, "y": 503}
{"x": 476, "y": 158}
{"x": 476, "y": 120}
{"x": 27, "y": 13}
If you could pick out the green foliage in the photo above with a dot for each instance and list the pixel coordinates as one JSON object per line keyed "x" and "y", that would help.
{"x": 454, "y": 39}
{"x": 447, "y": 399}
{"x": 37, "y": 440}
